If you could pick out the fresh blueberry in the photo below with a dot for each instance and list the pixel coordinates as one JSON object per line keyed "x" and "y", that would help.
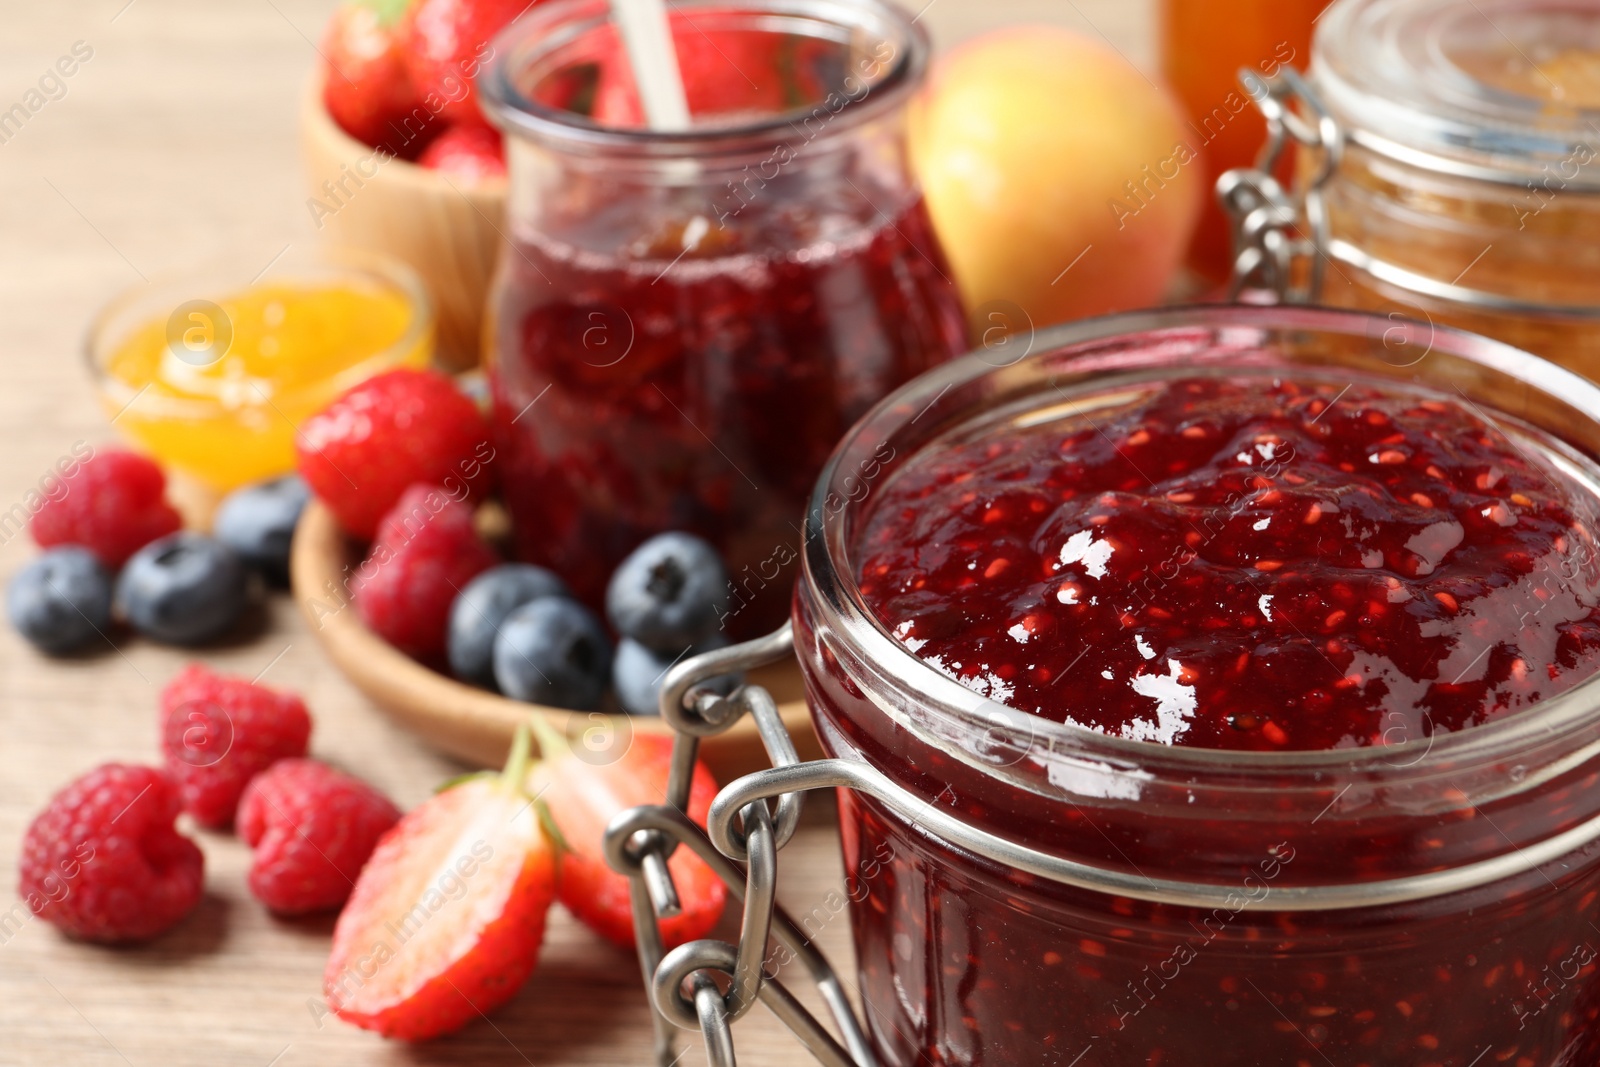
{"x": 61, "y": 602}
{"x": 183, "y": 589}
{"x": 483, "y": 605}
{"x": 669, "y": 593}
{"x": 553, "y": 651}
{"x": 637, "y": 674}
{"x": 258, "y": 523}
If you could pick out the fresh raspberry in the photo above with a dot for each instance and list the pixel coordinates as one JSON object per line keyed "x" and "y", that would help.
{"x": 103, "y": 861}
{"x": 312, "y": 829}
{"x": 426, "y": 552}
{"x": 113, "y": 504}
{"x": 218, "y": 732}
{"x": 361, "y": 452}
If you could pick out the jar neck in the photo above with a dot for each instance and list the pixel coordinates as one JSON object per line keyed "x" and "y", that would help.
{"x": 810, "y": 72}
{"x": 855, "y": 166}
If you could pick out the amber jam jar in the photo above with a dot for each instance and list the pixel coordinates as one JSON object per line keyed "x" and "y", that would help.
{"x": 1264, "y": 865}
{"x": 684, "y": 323}
{"x": 1461, "y": 183}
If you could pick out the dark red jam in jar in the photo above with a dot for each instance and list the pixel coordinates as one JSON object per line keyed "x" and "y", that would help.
{"x": 1298, "y": 644}
{"x": 684, "y": 324}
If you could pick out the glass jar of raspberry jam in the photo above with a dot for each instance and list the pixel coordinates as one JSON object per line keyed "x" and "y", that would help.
{"x": 1452, "y": 172}
{"x": 684, "y": 323}
{"x": 1277, "y": 657}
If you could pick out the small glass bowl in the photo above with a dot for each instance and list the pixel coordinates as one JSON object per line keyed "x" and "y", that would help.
{"x": 199, "y": 409}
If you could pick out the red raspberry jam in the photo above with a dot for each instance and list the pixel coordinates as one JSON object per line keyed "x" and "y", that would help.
{"x": 703, "y": 391}
{"x": 1243, "y": 565}
{"x": 1210, "y": 615}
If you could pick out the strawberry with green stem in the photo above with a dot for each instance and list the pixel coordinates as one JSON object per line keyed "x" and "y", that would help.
{"x": 581, "y": 797}
{"x": 366, "y": 88}
{"x": 447, "y": 917}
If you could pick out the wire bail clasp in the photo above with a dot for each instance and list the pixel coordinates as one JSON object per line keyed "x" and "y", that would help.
{"x": 1280, "y": 235}
{"x": 706, "y": 985}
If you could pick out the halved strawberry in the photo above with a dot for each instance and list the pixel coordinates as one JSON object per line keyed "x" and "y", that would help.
{"x": 582, "y": 797}
{"x": 446, "y": 919}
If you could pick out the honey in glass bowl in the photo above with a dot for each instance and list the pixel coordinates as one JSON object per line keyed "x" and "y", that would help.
{"x": 212, "y": 373}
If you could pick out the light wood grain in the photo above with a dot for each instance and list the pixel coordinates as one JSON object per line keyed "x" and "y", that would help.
{"x": 178, "y": 141}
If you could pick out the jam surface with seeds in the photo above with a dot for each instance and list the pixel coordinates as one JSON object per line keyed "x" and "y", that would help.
{"x": 1240, "y": 563}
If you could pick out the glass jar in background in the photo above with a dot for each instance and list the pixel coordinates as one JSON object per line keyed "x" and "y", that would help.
{"x": 1424, "y": 901}
{"x": 1204, "y": 44}
{"x": 1463, "y": 184}
{"x": 682, "y": 325}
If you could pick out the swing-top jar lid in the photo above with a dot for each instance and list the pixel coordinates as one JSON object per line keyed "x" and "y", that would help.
{"x": 1506, "y": 90}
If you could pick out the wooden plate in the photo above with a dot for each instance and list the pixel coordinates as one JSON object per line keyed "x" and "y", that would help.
{"x": 473, "y": 724}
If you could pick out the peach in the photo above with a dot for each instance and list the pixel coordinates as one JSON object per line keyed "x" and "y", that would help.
{"x": 1060, "y": 179}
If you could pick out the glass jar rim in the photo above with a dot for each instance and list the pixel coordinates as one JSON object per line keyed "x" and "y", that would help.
{"x": 1396, "y": 76}
{"x": 829, "y": 568}
{"x": 144, "y": 301}
{"x": 557, "y": 24}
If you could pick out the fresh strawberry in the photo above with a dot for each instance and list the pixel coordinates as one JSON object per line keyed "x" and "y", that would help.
{"x": 447, "y": 917}
{"x": 474, "y": 153}
{"x": 366, "y": 88}
{"x": 724, "y": 72}
{"x": 362, "y": 451}
{"x": 446, "y": 44}
{"x": 581, "y": 797}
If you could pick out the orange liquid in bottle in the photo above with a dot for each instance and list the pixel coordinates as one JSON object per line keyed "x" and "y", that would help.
{"x": 1204, "y": 43}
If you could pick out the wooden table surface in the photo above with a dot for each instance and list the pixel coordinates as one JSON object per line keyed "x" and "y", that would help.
{"x": 174, "y": 142}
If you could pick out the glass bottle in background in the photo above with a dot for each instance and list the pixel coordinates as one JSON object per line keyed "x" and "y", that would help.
{"x": 683, "y": 324}
{"x": 1204, "y": 43}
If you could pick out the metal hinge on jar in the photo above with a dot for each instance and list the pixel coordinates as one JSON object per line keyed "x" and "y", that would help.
{"x": 1283, "y": 244}
{"x": 1280, "y": 235}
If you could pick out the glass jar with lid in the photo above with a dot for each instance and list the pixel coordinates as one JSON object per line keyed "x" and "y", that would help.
{"x": 684, "y": 322}
{"x": 1450, "y": 171}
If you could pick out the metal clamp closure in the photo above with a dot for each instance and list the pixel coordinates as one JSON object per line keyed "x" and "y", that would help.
{"x": 1278, "y": 234}
{"x": 1282, "y": 240}
{"x": 707, "y": 984}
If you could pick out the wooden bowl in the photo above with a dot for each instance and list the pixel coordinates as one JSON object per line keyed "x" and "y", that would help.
{"x": 473, "y": 724}
{"x": 449, "y": 231}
